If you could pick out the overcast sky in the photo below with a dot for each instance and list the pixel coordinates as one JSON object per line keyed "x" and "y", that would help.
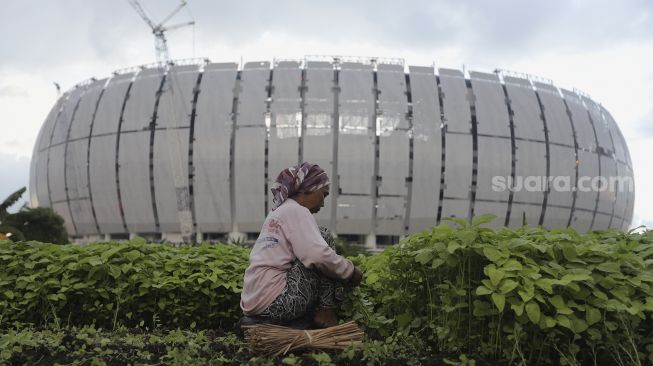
{"x": 602, "y": 47}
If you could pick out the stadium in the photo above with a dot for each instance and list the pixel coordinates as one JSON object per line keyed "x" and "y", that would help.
{"x": 188, "y": 152}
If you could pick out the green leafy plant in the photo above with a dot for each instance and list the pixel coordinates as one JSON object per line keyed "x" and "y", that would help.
{"x": 10, "y": 201}
{"x": 527, "y": 295}
{"x": 121, "y": 283}
{"x": 41, "y": 224}
{"x": 458, "y": 293}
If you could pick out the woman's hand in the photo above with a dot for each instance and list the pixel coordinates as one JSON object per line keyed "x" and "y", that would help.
{"x": 356, "y": 277}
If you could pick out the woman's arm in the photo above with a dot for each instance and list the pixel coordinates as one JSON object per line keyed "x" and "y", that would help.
{"x": 311, "y": 249}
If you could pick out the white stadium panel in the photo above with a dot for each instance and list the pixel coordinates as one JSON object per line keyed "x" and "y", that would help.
{"x": 562, "y": 176}
{"x": 56, "y": 181}
{"x": 283, "y": 150}
{"x": 457, "y": 175}
{"x": 41, "y": 183}
{"x": 134, "y": 175}
{"x": 600, "y": 126}
{"x": 630, "y": 199}
{"x": 582, "y": 220}
{"x": 356, "y": 137}
{"x": 427, "y": 149}
{"x": 45, "y": 135}
{"x": 393, "y": 105}
{"x": 530, "y": 172}
{"x": 213, "y": 127}
{"x": 607, "y": 195}
{"x": 555, "y": 113}
{"x": 390, "y": 215}
{"x": 621, "y": 192}
{"x": 62, "y": 209}
{"x": 102, "y": 160}
{"x": 170, "y": 155}
{"x": 139, "y": 109}
{"x": 83, "y": 216}
{"x": 286, "y": 120}
{"x": 458, "y": 166}
{"x": 39, "y": 195}
{"x": 490, "y": 102}
{"x": 354, "y": 214}
{"x": 601, "y": 221}
{"x": 494, "y": 168}
{"x": 82, "y": 125}
{"x": 75, "y": 169}
{"x": 556, "y": 217}
{"x": 318, "y": 134}
{"x": 584, "y": 131}
{"x": 60, "y": 134}
{"x": 32, "y": 188}
{"x": 526, "y": 109}
{"x": 457, "y": 114}
{"x": 617, "y": 138}
{"x": 355, "y": 163}
{"x": 108, "y": 112}
{"x": 318, "y": 109}
{"x": 249, "y": 178}
{"x": 392, "y": 126}
{"x": 77, "y": 183}
{"x": 393, "y": 163}
{"x": 74, "y": 163}
{"x": 588, "y": 169}
{"x": 170, "y": 169}
{"x": 455, "y": 208}
{"x": 175, "y": 103}
{"x": 252, "y": 100}
{"x": 521, "y": 213}
{"x": 499, "y": 209}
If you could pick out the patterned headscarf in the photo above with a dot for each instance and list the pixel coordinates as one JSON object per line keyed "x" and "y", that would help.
{"x": 305, "y": 177}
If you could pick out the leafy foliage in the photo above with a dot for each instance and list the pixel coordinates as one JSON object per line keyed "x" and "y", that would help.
{"x": 9, "y": 201}
{"x": 90, "y": 345}
{"x": 40, "y": 224}
{"x": 121, "y": 283}
{"x": 455, "y": 295}
{"x": 349, "y": 249}
{"x": 528, "y": 296}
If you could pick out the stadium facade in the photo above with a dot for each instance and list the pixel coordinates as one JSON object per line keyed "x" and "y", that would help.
{"x": 404, "y": 146}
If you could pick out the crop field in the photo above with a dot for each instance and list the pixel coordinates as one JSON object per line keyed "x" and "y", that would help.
{"x": 456, "y": 294}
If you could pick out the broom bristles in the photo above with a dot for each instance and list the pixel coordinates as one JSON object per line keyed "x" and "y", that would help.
{"x": 269, "y": 339}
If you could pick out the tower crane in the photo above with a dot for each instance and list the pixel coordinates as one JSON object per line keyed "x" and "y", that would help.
{"x": 161, "y": 43}
{"x": 184, "y": 214}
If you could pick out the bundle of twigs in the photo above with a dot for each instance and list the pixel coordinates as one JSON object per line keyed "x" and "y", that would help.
{"x": 268, "y": 339}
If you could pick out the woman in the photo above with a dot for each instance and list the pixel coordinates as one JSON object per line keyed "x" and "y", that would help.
{"x": 294, "y": 270}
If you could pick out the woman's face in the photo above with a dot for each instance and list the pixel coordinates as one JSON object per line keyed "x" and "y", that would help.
{"x": 314, "y": 201}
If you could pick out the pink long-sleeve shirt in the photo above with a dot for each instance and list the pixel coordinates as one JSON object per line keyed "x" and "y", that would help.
{"x": 290, "y": 232}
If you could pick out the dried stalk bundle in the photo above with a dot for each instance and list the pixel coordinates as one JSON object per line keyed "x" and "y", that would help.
{"x": 268, "y": 339}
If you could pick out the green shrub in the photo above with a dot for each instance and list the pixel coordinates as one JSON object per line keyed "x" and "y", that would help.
{"x": 40, "y": 224}
{"x": 121, "y": 283}
{"x": 527, "y": 296}
{"x": 16, "y": 235}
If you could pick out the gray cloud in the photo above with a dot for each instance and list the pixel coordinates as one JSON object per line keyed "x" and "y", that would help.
{"x": 13, "y": 91}
{"x": 73, "y": 30}
{"x": 645, "y": 125}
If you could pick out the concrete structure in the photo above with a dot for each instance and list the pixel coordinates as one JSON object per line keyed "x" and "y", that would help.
{"x": 404, "y": 147}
